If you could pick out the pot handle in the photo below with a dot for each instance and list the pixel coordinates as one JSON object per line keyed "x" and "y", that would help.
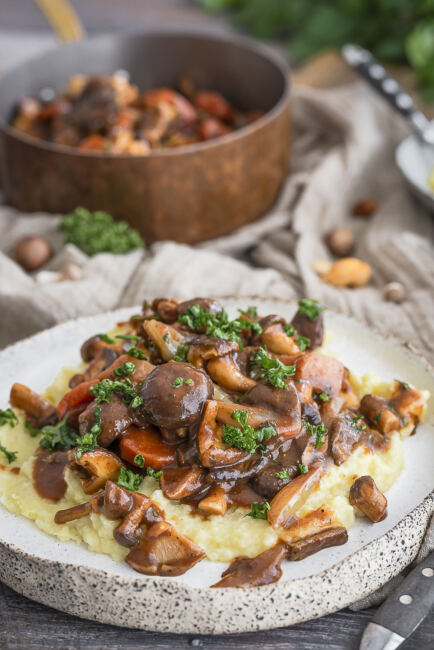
{"x": 63, "y": 19}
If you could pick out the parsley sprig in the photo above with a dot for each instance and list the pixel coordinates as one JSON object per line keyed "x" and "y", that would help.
{"x": 7, "y": 416}
{"x": 259, "y": 510}
{"x": 140, "y": 462}
{"x": 356, "y": 422}
{"x": 273, "y": 370}
{"x": 284, "y": 473}
{"x": 58, "y": 436}
{"x": 218, "y": 325}
{"x": 10, "y": 455}
{"x": 127, "y": 368}
{"x": 129, "y": 480}
{"x": 319, "y": 431}
{"x": 310, "y": 308}
{"x": 245, "y": 436}
{"x": 89, "y": 441}
{"x": 303, "y": 342}
{"x": 106, "y": 388}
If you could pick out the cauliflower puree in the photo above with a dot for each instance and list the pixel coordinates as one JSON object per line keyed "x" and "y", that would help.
{"x": 222, "y": 538}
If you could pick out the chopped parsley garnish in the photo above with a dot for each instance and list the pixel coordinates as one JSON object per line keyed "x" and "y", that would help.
{"x": 31, "y": 430}
{"x": 310, "y": 308}
{"x": 378, "y": 417}
{"x": 303, "y": 468}
{"x": 10, "y": 455}
{"x": 218, "y": 325}
{"x": 104, "y": 390}
{"x": 106, "y": 338}
{"x": 324, "y": 396}
{"x": 166, "y": 338}
{"x": 133, "y": 351}
{"x": 128, "y": 480}
{"x": 289, "y": 330}
{"x": 356, "y": 422}
{"x": 153, "y": 473}
{"x": 181, "y": 353}
{"x": 403, "y": 384}
{"x": 178, "y": 382}
{"x": 273, "y": 370}
{"x": 284, "y": 473}
{"x": 89, "y": 441}
{"x": 58, "y": 436}
{"x": 251, "y": 312}
{"x": 303, "y": 342}
{"x": 125, "y": 369}
{"x": 128, "y": 337}
{"x": 188, "y": 382}
{"x": 137, "y": 401}
{"x": 7, "y": 416}
{"x": 245, "y": 436}
{"x": 258, "y": 510}
{"x": 319, "y": 431}
{"x": 97, "y": 232}
{"x": 139, "y": 460}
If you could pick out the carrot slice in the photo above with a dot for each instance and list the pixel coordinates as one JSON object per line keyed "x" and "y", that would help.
{"x": 73, "y": 398}
{"x": 148, "y": 443}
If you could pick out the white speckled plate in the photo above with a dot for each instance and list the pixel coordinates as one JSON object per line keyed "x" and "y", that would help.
{"x": 71, "y": 578}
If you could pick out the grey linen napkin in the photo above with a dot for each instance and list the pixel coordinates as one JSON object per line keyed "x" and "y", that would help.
{"x": 343, "y": 151}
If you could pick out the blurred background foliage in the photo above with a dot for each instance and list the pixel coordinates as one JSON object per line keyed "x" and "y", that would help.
{"x": 396, "y": 31}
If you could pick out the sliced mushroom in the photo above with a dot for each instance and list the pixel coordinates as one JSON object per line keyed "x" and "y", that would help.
{"x": 283, "y": 407}
{"x": 180, "y": 482}
{"x": 324, "y": 373}
{"x": 174, "y": 395}
{"x": 277, "y": 340}
{"x": 348, "y": 393}
{"x": 166, "y": 308}
{"x": 226, "y": 373}
{"x": 335, "y": 536}
{"x": 128, "y": 532}
{"x": 76, "y": 512}
{"x": 291, "y": 498}
{"x": 304, "y": 389}
{"x": 163, "y": 551}
{"x": 207, "y": 304}
{"x": 316, "y": 521}
{"x": 343, "y": 437}
{"x": 92, "y": 347}
{"x": 377, "y": 410}
{"x": 203, "y": 348}
{"x": 98, "y": 467}
{"x": 115, "y": 420}
{"x": 212, "y": 450}
{"x": 329, "y": 410}
{"x": 215, "y": 503}
{"x": 311, "y": 329}
{"x": 167, "y": 339}
{"x": 368, "y": 498}
{"x": 407, "y": 402}
{"x": 263, "y": 569}
{"x": 38, "y": 410}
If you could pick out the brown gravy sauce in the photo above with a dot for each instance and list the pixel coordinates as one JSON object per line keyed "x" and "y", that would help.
{"x": 49, "y": 474}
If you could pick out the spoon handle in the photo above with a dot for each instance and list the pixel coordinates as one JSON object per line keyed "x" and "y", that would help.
{"x": 374, "y": 73}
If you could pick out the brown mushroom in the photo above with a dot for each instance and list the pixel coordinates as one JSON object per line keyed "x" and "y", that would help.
{"x": 207, "y": 304}
{"x": 163, "y": 551}
{"x": 365, "y": 495}
{"x": 291, "y": 498}
{"x": 324, "y": 373}
{"x": 215, "y": 503}
{"x": 115, "y": 420}
{"x": 202, "y": 348}
{"x": 33, "y": 252}
{"x": 407, "y": 402}
{"x": 348, "y": 394}
{"x": 335, "y": 536}
{"x": 278, "y": 341}
{"x": 344, "y": 434}
{"x": 282, "y": 407}
{"x": 226, "y": 373}
{"x": 165, "y": 338}
{"x": 316, "y": 521}
{"x": 174, "y": 395}
{"x": 128, "y": 532}
{"x": 180, "y": 482}
{"x": 166, "y": 308}
{"x": 311, "y": 329}
{"x": 38, "y": 410}
{"x": 212, "y": 450}
{"x": 98, "y": 466}
{"x": 377, "y": 410}
{"x": 263, "y": 569}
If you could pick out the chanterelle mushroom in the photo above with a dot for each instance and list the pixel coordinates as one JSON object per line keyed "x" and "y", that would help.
{"x": 174, "y": 395}
{"x": 98, "y": 467}
{"x": 38, "y": 410}
{"x": 164, "y": 551}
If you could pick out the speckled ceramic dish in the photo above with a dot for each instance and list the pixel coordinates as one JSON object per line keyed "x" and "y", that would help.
{"x": 71, "y": 578}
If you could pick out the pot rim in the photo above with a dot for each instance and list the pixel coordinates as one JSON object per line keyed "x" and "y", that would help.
{"x": 243, "y": 42}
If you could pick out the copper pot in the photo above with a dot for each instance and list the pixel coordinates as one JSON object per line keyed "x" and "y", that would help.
{"x": 187, "y": 194}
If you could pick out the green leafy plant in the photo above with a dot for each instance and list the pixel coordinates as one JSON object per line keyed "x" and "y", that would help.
{"x": 396, "y": 31}
{"x": 97, "y": 232}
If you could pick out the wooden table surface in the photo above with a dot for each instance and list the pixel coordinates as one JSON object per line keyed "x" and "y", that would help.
{"x": 25, "y": 625}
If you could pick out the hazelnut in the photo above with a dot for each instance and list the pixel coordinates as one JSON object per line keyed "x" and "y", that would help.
{"x": 364, "y": 208}
{"x": 33, "y": 252}
{"x": 394, "y": 292}
{"x": 340, "y": 241}
{"x": 348, "y": 272}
